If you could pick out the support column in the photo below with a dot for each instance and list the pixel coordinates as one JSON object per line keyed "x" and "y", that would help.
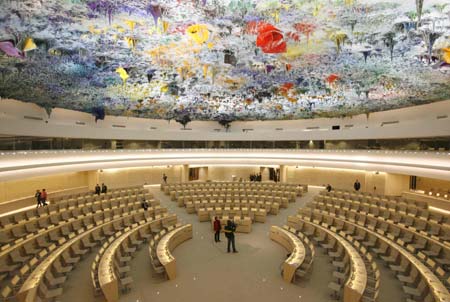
{"x": 264, "y": 173}
{"x": 203, "y": 174}
{"x": 93, "y": 179}
{"x": 283, "y": 173}
{"x": 185, "y": 173}
{"x": 396, "y": 184}
{"x": 375, "y": 182}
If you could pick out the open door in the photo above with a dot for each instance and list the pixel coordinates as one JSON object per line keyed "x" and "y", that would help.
{"x": 194, "y": 173}
{"x": 274, "y": 174}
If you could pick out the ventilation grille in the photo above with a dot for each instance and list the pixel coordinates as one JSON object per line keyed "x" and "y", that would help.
{"x": 35, "y": 118}
{"x": 119, "y": 126}
{"x": 312, "y": 128}
{"x": 389, "y": 123}
{"x": 80, "y": 123}
{"x": 440, "y": 117}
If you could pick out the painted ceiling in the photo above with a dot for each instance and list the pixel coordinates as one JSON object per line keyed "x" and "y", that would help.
{"x": 225, "y": 59}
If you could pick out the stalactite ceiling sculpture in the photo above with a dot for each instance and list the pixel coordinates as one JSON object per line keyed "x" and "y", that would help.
{"x": 225, "y": 59}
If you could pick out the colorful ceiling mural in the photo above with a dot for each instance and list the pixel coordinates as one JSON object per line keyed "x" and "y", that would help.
{"x": 225, "y": 59}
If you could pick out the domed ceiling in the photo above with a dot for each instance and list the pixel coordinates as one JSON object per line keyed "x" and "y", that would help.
{"x": 225, "y": 59}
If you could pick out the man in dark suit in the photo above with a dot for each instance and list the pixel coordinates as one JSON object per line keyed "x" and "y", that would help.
{"x": 97, "y": 189}
{"x": 229, "y": 230}
{"x": 104, "y": 188}
{"x": 144, "y": 204}
{"x": 38, "y": 198}
{"x": 357, "y": 185}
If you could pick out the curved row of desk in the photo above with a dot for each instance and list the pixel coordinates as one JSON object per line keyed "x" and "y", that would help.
{"x": 70, "y": 200}
{"x": 14, "y": 255}
{"x": 415, "y": 241}
{"x": 438, "y": 291}
{"x": 113, "y": 266}
{"x": 294, "y": 246}
{"x": 26, "y": 238}
{"x": 35, "y": 287}
{"x": 356, "y": 281}
{"x": 167, "y": 244}
{"x": 429, "y": 225}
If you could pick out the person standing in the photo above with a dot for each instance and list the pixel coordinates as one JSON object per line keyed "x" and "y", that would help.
{"x": 230, "y": 228}
{"x": 217, "y": 228}
{"x": 104, "y": 188}
{"x": 38, "y": 198}
{"x": 165, "y": 178}
{"x": 44, "y": 197}
{"x": 144, "y": 204}
{"x": 357, "y": 185}
{"x": 97, "y": 189}
{"x": 329, "y": 188}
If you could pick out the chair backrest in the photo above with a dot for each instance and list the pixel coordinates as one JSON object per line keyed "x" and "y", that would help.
{"x": 15, "y": 280}
{"x": 441, "y": 273}
{"x": 377, "y": 273}
{"x": 405, "y": 263}
{"x": 6, "y": 292}
{"x": 429, "y": 298}
{"x": 422, "y": 286}
{"x": 369, "y": 257}
{"x": 431, "y": 263}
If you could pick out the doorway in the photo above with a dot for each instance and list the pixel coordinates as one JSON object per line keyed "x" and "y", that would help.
{"x": 274, "y": 174}
{"x": 194, "y": 173}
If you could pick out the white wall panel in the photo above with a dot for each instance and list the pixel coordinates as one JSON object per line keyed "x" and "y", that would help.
{"x": 19, "y": 165}
{"x": 418, "y": 121}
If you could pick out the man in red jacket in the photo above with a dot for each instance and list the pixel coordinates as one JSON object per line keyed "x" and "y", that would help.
{"x": 217, "y": 228}
{"x": 44, "y": 197}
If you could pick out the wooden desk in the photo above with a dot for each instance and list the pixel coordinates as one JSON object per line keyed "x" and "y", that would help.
{"x": 439, "y": 291}
{"x": 107, "y": 278}
{"x": 17, "y": 205}
{"x": 106, "y": 275}
{"x": 357, "y": 215}
{"x": 357, "y": 280}
{"x": 29, "y": 290}
{"x": 432, "y": 201}
{"x": 292, "y": 244}
{"x": 20, "y": 243}
{"x": 167, "y": 244}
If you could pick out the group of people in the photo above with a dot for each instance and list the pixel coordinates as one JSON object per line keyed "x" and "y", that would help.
{"x": 356, "y": 186}
{"x": 41, "y": 198}
{"x": 229, "y": 230}
{"x": 255, "y": 177}
{"x": 101, "y": 190}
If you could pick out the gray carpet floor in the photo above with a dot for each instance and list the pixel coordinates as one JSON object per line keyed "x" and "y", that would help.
{"x": 205, "y": 271}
